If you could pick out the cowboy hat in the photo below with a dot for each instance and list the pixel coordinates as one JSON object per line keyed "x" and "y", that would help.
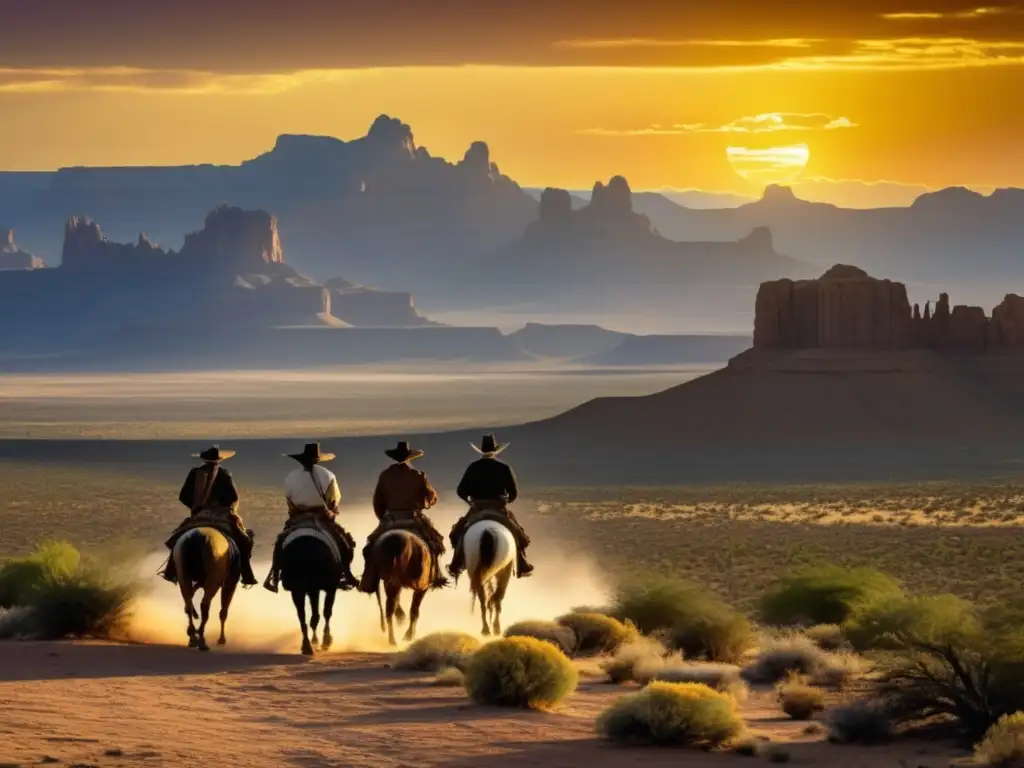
{"x": 488, "y": 446}
{"x": 311, "y": 454}
{"x": 402, "y": 452}
{"x": 214, "y": 454}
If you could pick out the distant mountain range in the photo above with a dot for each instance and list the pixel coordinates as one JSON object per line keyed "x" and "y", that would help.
{"x": 381, "y": 210}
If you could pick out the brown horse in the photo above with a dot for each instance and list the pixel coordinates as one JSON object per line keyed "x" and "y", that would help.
{"x": 402, "y": 560}
{"x": 205, "y": 559}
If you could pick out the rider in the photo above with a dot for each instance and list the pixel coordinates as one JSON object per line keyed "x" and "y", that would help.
{"x": 401, "y": 488}
{"x": 488, "y": 485}
{"x": 210, "y": 488}
{"x": 313, "y": 488}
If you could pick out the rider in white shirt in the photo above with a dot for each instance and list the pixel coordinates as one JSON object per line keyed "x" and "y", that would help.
{"x": 313, "y": 489}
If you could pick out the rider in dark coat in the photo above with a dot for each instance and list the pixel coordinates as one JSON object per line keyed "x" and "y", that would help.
{"x": 489, "y": 484}
{"x": 210, "y": 488}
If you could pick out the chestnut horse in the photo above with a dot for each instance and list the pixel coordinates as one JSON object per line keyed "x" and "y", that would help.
{"x": 206, "y": 559}
{"x": 402, "y": 560}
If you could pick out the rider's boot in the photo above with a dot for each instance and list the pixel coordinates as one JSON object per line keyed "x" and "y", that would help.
{"x": 245, "y": 542}
{"x": 368, "y": 584}
{"x": 438, "y": 580}
{"x": 458, "y": 563}
{"x": 170, "y": 572}
{"x": 347, "y": 549}
{"x": 523, "y": 568}
{"x": 274, "y": 576}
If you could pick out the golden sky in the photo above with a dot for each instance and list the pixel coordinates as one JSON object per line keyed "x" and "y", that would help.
{"x": 710, "y": 94}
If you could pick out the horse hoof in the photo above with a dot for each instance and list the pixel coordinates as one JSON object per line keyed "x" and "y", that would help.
{"x": 307, "y": 649}
{"x": 222, "y": 641}
{"x": 204, "y": 647}
{"x": 327, "y": 643}
{"x": 193, "y": 642}
{"x": 486, "y": 632}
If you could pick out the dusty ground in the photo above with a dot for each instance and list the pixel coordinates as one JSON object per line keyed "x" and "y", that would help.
{"x": 104, "y": 705}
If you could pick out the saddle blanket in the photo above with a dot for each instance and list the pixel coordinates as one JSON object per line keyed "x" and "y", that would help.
{"x": 317, "y": 533}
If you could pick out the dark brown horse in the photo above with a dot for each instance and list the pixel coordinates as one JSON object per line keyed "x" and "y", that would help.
{"x": 402, "y": 560}
{"x": 204, "y": 558}
{"x": 309, "y": 567}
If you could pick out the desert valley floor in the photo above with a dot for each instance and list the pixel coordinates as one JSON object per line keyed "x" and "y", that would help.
{"x": 150, "y": 701}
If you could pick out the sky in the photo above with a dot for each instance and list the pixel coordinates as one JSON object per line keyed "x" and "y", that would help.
{"x": 882, "y": 96}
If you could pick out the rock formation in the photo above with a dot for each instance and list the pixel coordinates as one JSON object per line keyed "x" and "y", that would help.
{"x": 361, "y": 306}
{"x": 12, "y": 257}
{"x": 847, "y": 308}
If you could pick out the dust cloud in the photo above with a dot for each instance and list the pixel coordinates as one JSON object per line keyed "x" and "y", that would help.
{"x": 261, "y": 621}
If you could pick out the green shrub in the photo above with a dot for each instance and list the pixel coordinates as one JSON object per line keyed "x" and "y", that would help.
{"x": 596, "y": 633}
{"x": 828, "y": 637}
{"x": 799, "y": 700}
{"x": 20, "y": 577}
{"x": 946, "y": 661}
{"x": 1003, "y": 745}
{"x": 437, "y": 651}
{"x": 713, "y": 632}
{"x": 520, "y": 672}
{"x": 638, "y": 656}
{"x": 552, "y": 632}
{"x": 672, "y": 714}
{"x": 82, "y": 604}
{"x": 823, "y": 595}
{"x": 862, "y": 722}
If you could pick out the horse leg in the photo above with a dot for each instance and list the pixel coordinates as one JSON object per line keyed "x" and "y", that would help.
{"x": 498, "y": 597}
{"x": 314, "y": 613}
{"x": 204, "y": 615}
{"x": 414, "y": 613}
{"x": 226, "y": 596}
{"x": 392, "y": 602}
{"x": 299, "y": 598}
{"x": 188, "y": 596}
{"x": 329, "y": 596}
{"x": 480, "y": 591}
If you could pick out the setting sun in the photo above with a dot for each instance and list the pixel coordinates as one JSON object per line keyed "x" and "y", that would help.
{"x": 769, "y": 165}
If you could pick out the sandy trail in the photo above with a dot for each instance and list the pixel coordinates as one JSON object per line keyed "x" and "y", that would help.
{"x": 109, "y": 705}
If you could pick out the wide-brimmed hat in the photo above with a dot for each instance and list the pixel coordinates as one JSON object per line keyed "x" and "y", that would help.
{"x": 214, "y": 453}
{"x": 311, "y": 454}
{"x": 402, "y": 452}
{"x": 489, "y": 447}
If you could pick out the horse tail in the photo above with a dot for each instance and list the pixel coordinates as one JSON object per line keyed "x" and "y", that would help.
{"x": 488, "y": 549}
{"x": 193, "y": 556}
{"x": 392, "y": 547}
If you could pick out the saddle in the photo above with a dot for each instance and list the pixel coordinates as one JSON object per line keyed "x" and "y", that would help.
{"x": 403, "y": 520}
{"x": 494, "y": 514}
{"x": 314, "y": 519}
{"x": 218, "y": 519}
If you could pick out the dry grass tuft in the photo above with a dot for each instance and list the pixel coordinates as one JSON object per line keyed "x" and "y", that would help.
{"x": 437, "y": 651}
{"x": 799, "y": 700}
{"x": 673, "y": 714}
{"x": 560, "y": 636}
{"x": 597, "y": 633}
{"x": 520, "y": 672}
{"x": 1003, "y": 745}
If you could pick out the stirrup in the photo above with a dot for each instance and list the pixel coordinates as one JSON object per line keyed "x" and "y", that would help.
{"x": 270, "y": 584}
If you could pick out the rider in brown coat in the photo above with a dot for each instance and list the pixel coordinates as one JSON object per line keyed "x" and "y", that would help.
{"x": 402, "y": 489}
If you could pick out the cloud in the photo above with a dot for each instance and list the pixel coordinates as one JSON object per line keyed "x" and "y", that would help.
{"x": 984, "y": 12}
{"x": 649, "y": 42}
{"x": 137, "y": 80}
{"x": 769, "y": 122}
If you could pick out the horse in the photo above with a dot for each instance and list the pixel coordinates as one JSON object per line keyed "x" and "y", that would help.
{"x": 402, "y": 560}
{"x": 309, "y": 566}
{"x": 490, "y": 550}
{"x": 205, "y": 558}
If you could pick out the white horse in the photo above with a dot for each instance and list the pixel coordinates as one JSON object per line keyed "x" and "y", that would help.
{"x": 490, "y": 550}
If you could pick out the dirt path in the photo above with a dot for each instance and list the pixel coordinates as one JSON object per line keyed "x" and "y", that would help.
{"x": 109, "y": 705}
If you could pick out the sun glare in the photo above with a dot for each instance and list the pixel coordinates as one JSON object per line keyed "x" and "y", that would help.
{"x": 769, "y": 165}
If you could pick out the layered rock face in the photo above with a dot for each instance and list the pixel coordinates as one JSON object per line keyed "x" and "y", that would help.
{"x": 845, "y": 308}
{"x": 848, "y": 309}
{"x": 12, "y": 257}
